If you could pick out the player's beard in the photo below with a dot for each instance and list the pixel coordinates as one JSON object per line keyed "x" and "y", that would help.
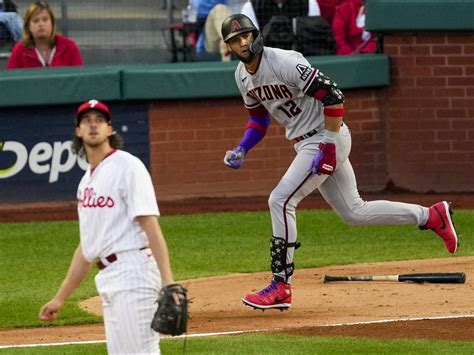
{"x": 247, "y": 59}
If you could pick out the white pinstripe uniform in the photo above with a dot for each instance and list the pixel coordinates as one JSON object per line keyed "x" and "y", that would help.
{"x": 109, "y": 198}
{"x": 279, "y": 85}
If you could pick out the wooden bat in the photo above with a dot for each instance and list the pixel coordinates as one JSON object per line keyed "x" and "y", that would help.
{"x": 442, "y": 277}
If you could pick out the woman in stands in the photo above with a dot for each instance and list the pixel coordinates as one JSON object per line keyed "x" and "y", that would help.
{"x": 41, "y": 45}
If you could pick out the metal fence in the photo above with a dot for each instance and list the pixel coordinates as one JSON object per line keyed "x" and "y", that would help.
{"x": 148, "y": 31}
{"x": 117, "y": 31}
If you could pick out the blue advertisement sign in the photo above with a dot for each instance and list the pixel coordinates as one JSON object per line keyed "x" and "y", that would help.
{"x": 36, "y": 161}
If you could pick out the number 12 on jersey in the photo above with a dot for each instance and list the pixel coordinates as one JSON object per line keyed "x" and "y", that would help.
{"x": 289, "y": 108}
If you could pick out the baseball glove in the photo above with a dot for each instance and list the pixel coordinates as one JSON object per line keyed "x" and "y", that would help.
{"x": 171, "y": 318}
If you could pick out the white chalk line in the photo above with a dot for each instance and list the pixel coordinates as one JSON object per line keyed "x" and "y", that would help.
{"x": 201, "y": 335}
{"x": 398, "y": 320}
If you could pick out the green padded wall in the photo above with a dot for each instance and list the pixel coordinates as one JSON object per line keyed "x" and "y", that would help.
{"x": 420, "y": 15}
{"x": 29, "y": 87}
{"x": 201, "y": 80}
{"x": 59, "y": 85}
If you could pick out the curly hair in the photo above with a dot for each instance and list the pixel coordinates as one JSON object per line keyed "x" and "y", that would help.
{"x": 77, "y": 146}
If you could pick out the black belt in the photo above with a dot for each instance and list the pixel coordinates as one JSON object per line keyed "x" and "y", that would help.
{"x": 110, "y": 258}
{"x": 309, "y": 134}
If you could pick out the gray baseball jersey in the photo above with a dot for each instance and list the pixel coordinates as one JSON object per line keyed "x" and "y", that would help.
{"x": 279, "y": 85}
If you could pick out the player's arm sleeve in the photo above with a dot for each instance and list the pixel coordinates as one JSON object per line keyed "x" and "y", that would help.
{"x": 139, "y": 191}
{"x": 259, "y": 118}
{"x": 256, "y": 127}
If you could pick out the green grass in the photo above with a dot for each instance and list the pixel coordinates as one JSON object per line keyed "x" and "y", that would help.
{"x": 275, "y": 344}
{"x": 34, "y": 257}
{"x": 37, "y": 256}
{"x": 286, "y": 344}
{"x": 238, "y": 242}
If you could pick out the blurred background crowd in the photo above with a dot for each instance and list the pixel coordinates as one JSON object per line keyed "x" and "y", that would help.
{"x": 107, "y": 32}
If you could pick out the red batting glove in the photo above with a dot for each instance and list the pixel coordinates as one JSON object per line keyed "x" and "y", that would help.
{"x": 325, "y": 161}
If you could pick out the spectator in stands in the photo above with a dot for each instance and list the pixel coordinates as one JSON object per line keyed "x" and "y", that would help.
{"x": 328, "y": 8}
{"x": 41, "y": 45}
{"x": 203, "y": 8}
{"x": 210, "y": 40}
{"x": 349, "y": 29}
{"x": 10, "y": 19}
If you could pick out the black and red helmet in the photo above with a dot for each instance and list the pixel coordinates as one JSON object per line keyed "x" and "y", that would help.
{"x": 235, "y": 25}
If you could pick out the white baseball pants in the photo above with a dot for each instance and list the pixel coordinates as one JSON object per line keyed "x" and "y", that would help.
{"x": 129, "y": 289}
{"x": 338, "y": 189}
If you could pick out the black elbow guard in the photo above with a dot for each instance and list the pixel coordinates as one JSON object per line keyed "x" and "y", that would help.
{"x": 322, "y": 84}
{"x": 333, "y": 97}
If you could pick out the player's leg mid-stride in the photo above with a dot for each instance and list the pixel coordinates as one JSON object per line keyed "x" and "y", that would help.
{"x": 440, "y": 222}
{"x": 276, "y": 295}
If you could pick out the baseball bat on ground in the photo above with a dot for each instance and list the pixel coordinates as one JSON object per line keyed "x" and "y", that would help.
{"x": 442, "y": 277}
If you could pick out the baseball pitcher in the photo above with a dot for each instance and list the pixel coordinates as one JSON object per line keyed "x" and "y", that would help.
{"x": 120, "y": 233}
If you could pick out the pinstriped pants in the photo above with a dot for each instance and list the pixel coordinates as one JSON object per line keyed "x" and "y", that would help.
{"x": 129, "y": 289}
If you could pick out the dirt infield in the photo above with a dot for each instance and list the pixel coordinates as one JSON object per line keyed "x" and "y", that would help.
{"x": 362, "y": 309}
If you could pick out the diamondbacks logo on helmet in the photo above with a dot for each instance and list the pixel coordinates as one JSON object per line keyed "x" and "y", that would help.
{"x": 235, "y": 26}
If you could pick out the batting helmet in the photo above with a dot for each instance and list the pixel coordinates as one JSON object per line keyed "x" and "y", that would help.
{"x": 237, "y": 24}
{"x": 93, "y": 105}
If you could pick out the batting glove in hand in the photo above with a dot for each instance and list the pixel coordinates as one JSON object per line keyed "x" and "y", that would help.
{"x": 324, "y": 161}
{"x": 235, "y": 158}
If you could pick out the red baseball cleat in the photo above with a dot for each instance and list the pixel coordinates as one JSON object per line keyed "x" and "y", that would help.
{"x": 276, "y": 295}
{"x": 440, "y": 222}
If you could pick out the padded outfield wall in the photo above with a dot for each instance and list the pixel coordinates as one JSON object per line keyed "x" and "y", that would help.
{"x": 178, "y": 118}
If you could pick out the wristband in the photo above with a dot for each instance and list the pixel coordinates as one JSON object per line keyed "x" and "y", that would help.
{"x": 334, "y": 112}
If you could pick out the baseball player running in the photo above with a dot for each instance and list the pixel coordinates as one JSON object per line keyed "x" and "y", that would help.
{"x": 119, "y": 232}
{"x": 282, "y": 84}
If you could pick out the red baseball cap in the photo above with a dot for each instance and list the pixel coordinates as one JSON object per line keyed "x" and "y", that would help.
{"x": 93, "y": 105}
